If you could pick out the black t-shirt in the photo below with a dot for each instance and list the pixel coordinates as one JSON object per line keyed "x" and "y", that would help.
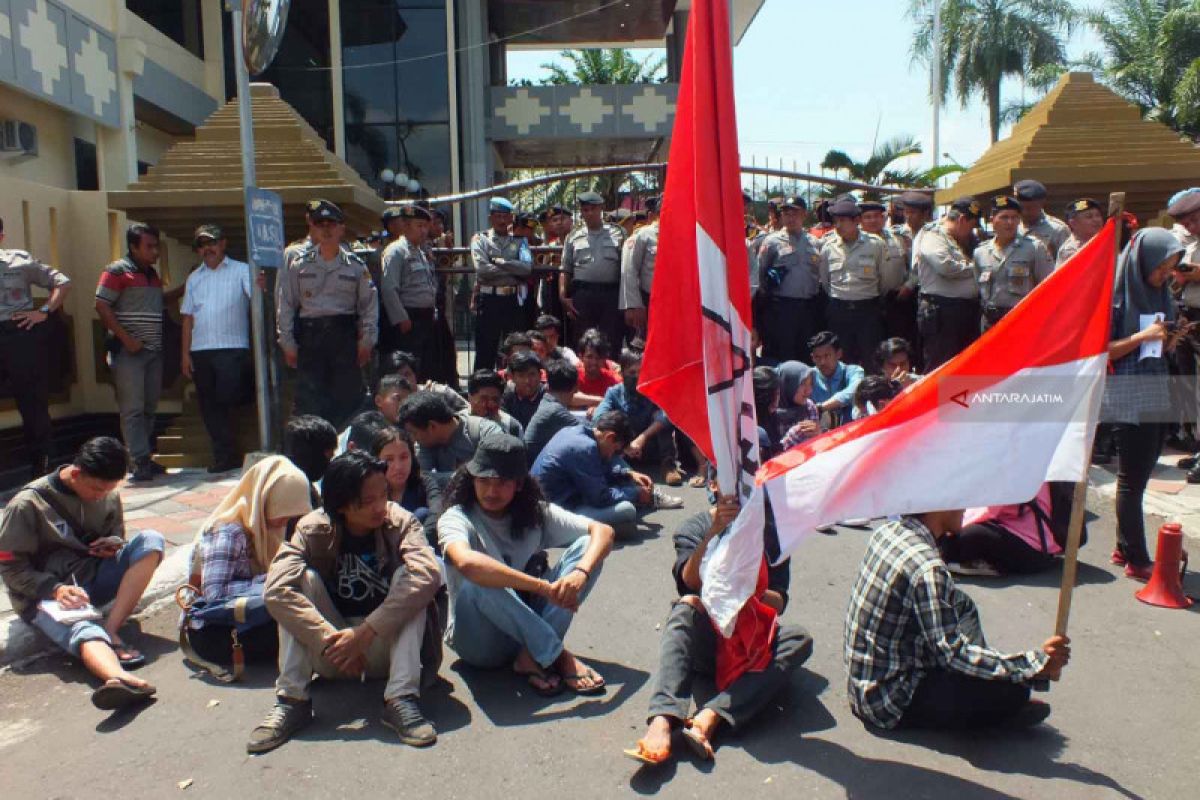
{"x": 521, "y": 408}
{"x": 689, "y": 536}
{"x": 361, "y": 581}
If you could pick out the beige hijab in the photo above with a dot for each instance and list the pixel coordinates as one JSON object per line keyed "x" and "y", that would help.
{"x": 273, "y": 488}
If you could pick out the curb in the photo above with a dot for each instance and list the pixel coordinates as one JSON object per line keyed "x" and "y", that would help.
{"x": 20, "y": 642}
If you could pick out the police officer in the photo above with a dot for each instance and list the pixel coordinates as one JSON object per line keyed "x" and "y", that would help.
{"x": 1184, "y": 208}
{"x": 637, "y": 270}
{"x": 525, "y": 227}
{"x": 1010, "y": 264}
{"x": 502, "y": 264}
{"x": 590, "y": 285}
{"x": 897, "y": 283}
{"x": 1035, "y": 222}
{"x": 789, "y": 263}
{"x": 408, "y": 292}
{"x": 328, "y": 318}
{"x": 23, "y": 355}
{"x": 851, "y": 269}
{"x": 1085, "y": 218}
{"x": 948, "y": 302}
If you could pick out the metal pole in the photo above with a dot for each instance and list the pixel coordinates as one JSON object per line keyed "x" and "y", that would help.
{"x": 262, "y": 387}
{"x": 935, "y": 89}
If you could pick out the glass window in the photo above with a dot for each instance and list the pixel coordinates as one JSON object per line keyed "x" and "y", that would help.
{"x": 428, "y": 149}
{"x": 179, "y": 21}
{"x": 370, "y": 148}
{"x": 87, "y": 173}
{"x": 301, "y": 68}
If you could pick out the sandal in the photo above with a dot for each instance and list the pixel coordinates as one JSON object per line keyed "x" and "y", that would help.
{"x": 572, "y": 682}
{"x": 697, "y": 743}
{"x": 551, "y": 684}
{"x": 644, "y": 756}
{"x": 115, "y": 693}
{"x": 698, "y": 481}
{"x": 130, "y": 658}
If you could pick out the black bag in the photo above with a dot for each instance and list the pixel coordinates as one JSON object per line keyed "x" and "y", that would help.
{"x": 1058, "y": 522}
{"x": 236, "y": 616}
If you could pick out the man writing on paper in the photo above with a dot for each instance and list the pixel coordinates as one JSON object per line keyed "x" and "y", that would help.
{"x": 63, "y": 548}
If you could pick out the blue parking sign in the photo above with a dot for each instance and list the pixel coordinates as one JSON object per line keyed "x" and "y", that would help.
{"x": 264, "y": 236}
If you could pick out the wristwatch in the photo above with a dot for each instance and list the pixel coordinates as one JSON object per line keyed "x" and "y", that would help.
{"x": 45, "y": 309}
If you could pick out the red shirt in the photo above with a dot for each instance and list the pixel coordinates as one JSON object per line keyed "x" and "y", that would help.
{"x": 599, "y": 385}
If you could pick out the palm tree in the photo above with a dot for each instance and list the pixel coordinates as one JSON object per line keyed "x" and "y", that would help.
{"x": 875, "y": 169}
{"x": 1152, "y": 57}
{"x": 602, "y": 67}
{"x": 983, "y": 41}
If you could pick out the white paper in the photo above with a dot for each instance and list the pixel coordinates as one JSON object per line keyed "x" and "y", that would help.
{"x": 69, "y": 616}
{"x": 1152, "y": 349}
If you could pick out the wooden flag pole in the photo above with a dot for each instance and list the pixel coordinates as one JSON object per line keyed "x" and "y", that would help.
{"x": 1116, "y": 206}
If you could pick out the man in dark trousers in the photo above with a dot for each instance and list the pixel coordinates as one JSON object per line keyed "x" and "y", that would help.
{"x": 788, "y": 300}
{"x": 948, "y": 306}
{"x": 502, "y": 263}
{"x": 591, "y": 278}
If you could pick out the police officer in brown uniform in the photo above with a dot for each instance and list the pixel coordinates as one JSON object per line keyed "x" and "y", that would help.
{"x": 502, "y": 262}
{"x": 590, "y": 285}
{"x": 408, "y": 289}
{"x": 23, "y": 357}
{"x": 1009, "y": 265}
{"x": 788, "y": 311}
{"x": 637, "y": 270}
{"x": 897, "y": 283}
{"x": 1035, "y": 222}
{"x": 1085, "y": 218}
{"x": 948, "y": 302}
{"x": 328, "y": 319}
{"x": 851, "y": 272}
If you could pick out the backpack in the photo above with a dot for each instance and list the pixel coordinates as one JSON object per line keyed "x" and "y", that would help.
{"x": 1058, "y": 522}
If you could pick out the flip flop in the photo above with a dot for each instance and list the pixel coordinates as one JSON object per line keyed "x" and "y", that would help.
{"x": 551, "y": 687}
{"x": 130, "y": 658}
{"x": 698, "y": 481}
{"x": 697, "y": 743}
{"x": 644, "y": 756}
{"x": 115, "y": 693}
{"x": 597, "y": 688}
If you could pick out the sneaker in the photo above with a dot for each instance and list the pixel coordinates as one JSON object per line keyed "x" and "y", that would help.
{"x": 857, "y": 522}
{"x": 673, "y": 478}
{"x": 403, "y": 715}
{"x": 1193, "y": 475}
{"x": 663, "y": 500}
{"x": 980, "y": 569}
{"x": 142, "y": 473}
{"x": 1034, "y": 712}
{"x": 156, "y": 468}
{"x": 1187, "y": 462}
{"x": 825, "y": 528}
{"x": 282, "y": 722}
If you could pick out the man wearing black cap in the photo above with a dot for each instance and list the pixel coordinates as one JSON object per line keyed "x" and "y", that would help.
{"x": 851, "y": 266}
{"x": 948, "y": 304}
{"x": 918, "y": 212}
{"x": 788, "y": 284}
{"x": 1035, "y": 222}
{"x": 1085, "y": 218}
{"x": 1009, "y": 265}
{"x": 216, "y": 340}
{"x": 328, "y": 317}
{"x": 408, "y": 292}
{"x": 897, "y": 283}
{"x": 637, "y": 270}
{"x": 590, "y": 286}
{"x": 502, "y": 263}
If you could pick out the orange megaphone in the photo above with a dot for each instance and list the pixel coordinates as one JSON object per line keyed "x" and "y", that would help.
{"x": 1166, "y": 584}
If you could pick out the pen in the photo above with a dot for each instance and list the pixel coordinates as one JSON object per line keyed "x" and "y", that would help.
{"x": 74, "y": 582}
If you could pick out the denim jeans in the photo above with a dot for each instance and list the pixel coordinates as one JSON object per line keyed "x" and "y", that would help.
{"x": 622, "y": 516}
{"x": 137, "y": 378}
{"x": 491, "y": 626}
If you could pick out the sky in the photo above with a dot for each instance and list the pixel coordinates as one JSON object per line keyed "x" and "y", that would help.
{"x": 809, "y": 77}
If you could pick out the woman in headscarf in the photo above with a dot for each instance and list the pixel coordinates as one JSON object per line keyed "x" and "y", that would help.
{"x": 236, "y": 545}
{"x": 1136, "y": 395}
{"x": 795, "y": 387}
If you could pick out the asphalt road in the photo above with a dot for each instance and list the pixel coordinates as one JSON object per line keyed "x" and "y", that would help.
{"x": 1124, "y": 721}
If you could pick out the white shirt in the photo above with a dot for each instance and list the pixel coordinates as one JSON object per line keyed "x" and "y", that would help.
{"x": 218, "y": 301}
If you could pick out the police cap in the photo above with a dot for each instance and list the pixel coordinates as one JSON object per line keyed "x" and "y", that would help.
{"x": 207, "y": 233}
{"x": 1081, "y": 205}
{"x": 620, "y": 215}
{"x": 554, "y": 211}
{"x": 319, "y": 210}
{"x": 1184, "y": 203}
{"x": 589, "y": 199}
{"x": 653, "y": 204}
{"x": 500, "y": 205}
{"x": 1005, "y": 202}
{"x": 968, "y": 206}
{"x": 871, "y": 205}
{"x": 922, "y": 201}
{"x": 524, "y": 220}
{"x": 1029, "y": 190}
{"x": 415, "y": 212}
{"x": 845, "y": 207}
{"x": 390, "y": 213}
{"x": 794, "y": 202}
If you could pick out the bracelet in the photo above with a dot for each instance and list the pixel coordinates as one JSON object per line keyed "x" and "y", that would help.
{"x": 584, "y": 571}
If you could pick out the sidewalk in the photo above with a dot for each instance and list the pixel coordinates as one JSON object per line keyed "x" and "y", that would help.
{"x": 1168, "y": 496}
{"x": 175, "y": 506}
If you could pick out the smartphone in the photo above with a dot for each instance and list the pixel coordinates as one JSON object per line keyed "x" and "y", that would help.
{"x": 108, "y": 543}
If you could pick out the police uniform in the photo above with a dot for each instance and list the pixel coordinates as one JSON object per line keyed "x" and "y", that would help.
{"x": 637, "y": 267}
{"x": 948, "y": 303}
{"x": 788, "y": 300}
{"x": 1050, "y": 231}
{"x": 23, "y": 354}
{"x": 591, "y": 260}
{"x": 326, "y": 309}
{"x": 851, "y": 273}
{"x": 502, "y": 264}
{"x": 408, "y": 293}
{"x": 1186, "y": 353}
{"x": 899, "y": 314}
{"x": 1007, "y": 274}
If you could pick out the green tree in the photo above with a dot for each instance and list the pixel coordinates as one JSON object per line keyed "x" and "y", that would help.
{"x": 984, "y": 41}
{"x": 602, "y": 67}
{"x": 1151, "y": 56}
{"x": 875, "y": 169}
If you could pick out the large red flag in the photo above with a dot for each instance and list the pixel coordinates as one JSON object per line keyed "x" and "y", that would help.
{"x": 697, "y": 365}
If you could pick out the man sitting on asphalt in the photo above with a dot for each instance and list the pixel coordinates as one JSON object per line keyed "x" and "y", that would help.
{"x": 445, "y": 440}
{"x": 914, "y": 645}
{"x": 405, "y": 365}
{"x": 352, "y": 591}
{"x": 485, "y": 387}
{"x": 525, "y": 388}
{"x": 581, "y": 469}
{"x": 63, "y": 549}
{"x": 654, "y": 436}
{"x": 554, "y": 412}
{"x": 835, "y": 382}
{"x": 310, "y": 442}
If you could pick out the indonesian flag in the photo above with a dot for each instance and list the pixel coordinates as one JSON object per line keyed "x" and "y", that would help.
{"x": 989, "y": 427}
{"x": 697, "y": 364}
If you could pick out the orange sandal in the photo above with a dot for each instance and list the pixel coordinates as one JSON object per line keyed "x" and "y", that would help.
{"x": 644, "y": 756}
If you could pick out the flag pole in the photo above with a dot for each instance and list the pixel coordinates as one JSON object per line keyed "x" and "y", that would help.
{"x": 1116, "y": 206}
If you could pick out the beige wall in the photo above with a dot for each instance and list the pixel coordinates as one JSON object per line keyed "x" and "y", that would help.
{"x": 152, "y": 143}
{"x": 163, "y": 51}
{"x": 54, "y": 165}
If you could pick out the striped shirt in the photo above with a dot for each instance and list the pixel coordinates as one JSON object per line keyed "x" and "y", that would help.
{"x": 136, "y": 296}
{"x": 218, "y": 301}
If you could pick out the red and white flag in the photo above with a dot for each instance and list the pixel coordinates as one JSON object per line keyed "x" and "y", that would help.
{"x": 697, "y": 364}
{"x": 989, "y": 427}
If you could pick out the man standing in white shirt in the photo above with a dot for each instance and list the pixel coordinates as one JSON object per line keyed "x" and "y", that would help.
{"x": 216, "y": 340}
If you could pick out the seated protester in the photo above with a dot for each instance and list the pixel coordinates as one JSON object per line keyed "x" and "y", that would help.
{"x": 525, "y": 388}
{"x": 795, "y": 394}
{"x": 549, "y": 325}
{"x": 515, "y": 342}
{"x": 914, "y": 645}
{"x": 63, "y": 547}
{"x": 415, "y": 492}
{"x": 653, "y": 435}
{"x": 766, "y": 402}
{"x": 895, "y": 358}
{"x": 872, "y": 395}
{"x": 508, "y": 605}
{"x": 445, "y": 440}
{"x": 405, "y": 365}
{"x": 362, "y": 428}
{"x": 690, "y": 648}
{"x": 596, "y": 372}
{"x": 353, "y": 593}
{"x": 310, "y": 442}
{"x": 553, "y": 412}
{"x": 1016, "y": 539}
{"x": 484, "y": 390}
{"x": 234, "y": 548}
{"x": 834, "y": 383}
{"x": 581, "y": 470}
{"x": 390, "y": 393}
{"x": 541, "y": 347}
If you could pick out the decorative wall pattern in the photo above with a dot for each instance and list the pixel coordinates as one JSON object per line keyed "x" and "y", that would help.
{"x": 634, "y": 111}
